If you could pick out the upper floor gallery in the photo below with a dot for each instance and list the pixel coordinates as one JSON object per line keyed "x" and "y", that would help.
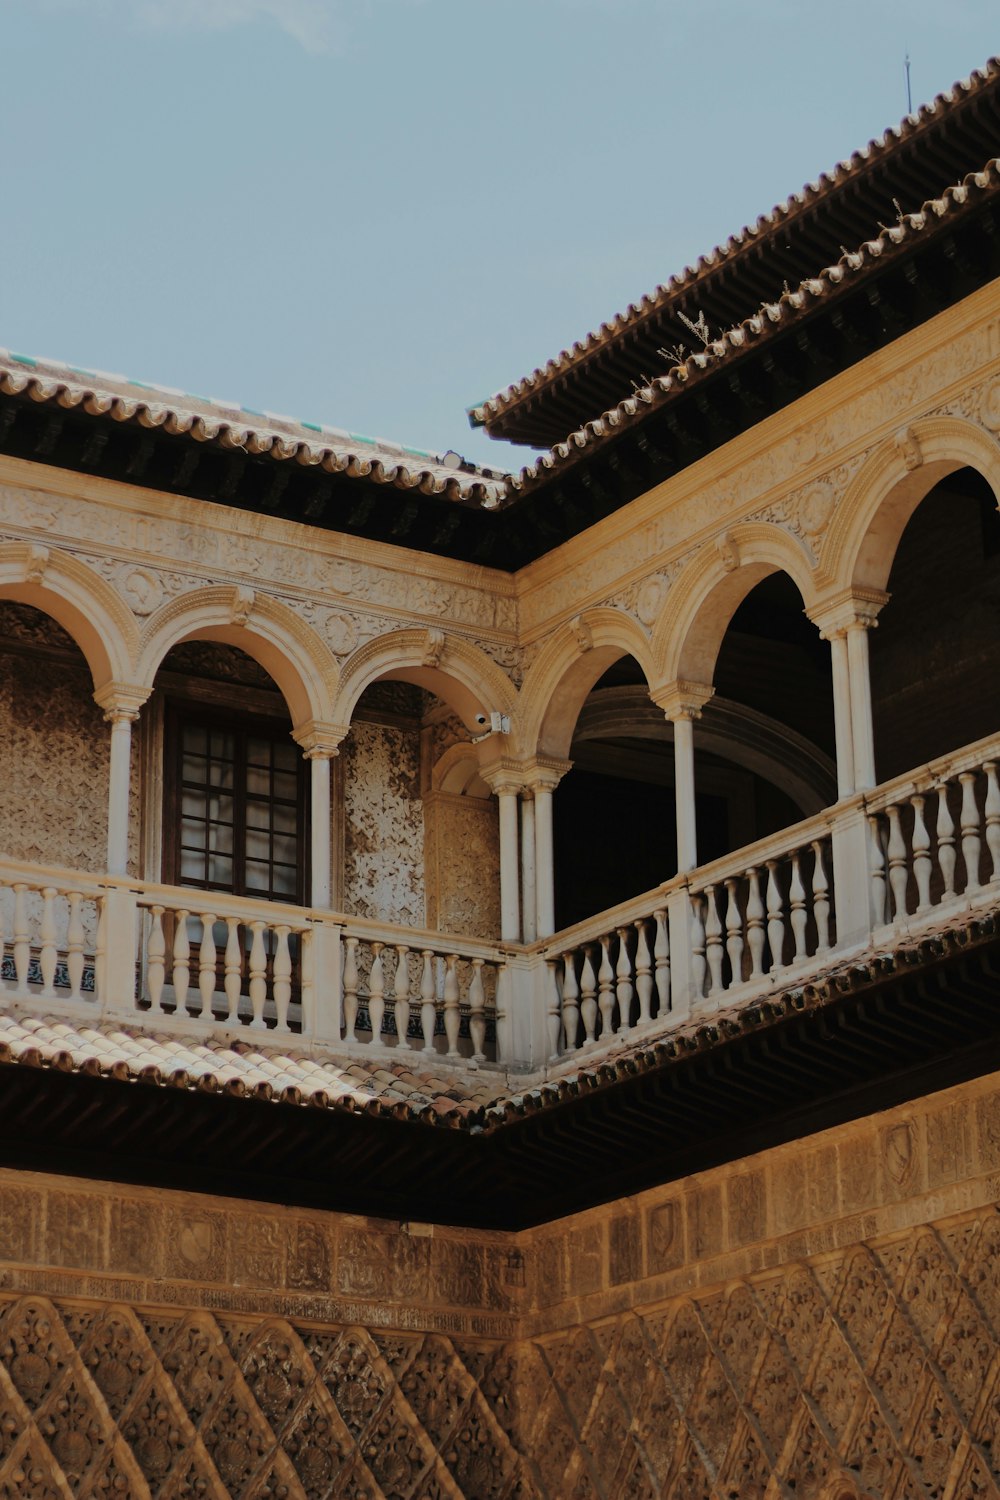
{"x": 290, "y": 745}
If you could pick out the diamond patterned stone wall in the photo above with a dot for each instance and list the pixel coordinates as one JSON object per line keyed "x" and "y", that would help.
{"x": 869, "y": 1374}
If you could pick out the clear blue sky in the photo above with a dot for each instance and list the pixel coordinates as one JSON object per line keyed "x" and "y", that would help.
{"x": 375, "y": 212}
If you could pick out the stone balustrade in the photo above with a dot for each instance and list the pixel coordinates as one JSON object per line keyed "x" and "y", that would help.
{"x": 879, "y": 865}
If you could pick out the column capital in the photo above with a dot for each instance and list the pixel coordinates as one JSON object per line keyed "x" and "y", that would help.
{"x": 682, "y": 700}
{"x": 852, "y": 609}
{"x": 503, "y": 776}
{"x": 545, "y": 772}
{"x": 120, "y": 701}
{"x": 319, "y": 741}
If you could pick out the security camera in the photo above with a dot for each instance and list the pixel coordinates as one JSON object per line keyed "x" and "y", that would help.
{"x": 482, "y": 718}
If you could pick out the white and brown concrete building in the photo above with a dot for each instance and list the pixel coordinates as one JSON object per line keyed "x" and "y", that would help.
{"x": 499, "y": 988}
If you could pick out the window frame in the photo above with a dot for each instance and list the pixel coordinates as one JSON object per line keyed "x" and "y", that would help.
{"x": 179, "y": 713}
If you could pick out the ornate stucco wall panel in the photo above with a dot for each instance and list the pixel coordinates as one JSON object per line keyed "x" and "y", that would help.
{"x": 383, "y": 824}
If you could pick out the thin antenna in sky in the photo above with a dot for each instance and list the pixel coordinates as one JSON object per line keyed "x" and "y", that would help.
{"x": 909, "y": 96}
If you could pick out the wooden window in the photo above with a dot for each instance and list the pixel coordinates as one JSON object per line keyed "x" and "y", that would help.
{"x": 235, "y": 814}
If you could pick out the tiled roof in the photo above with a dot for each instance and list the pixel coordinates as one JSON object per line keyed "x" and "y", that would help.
{"x": 767, "y": 321}
{"x": 448, "y": 1096}
{"x": 928, "y": 115}
{"x": 454, "y": 1098}
{"x": 237, "y": 427}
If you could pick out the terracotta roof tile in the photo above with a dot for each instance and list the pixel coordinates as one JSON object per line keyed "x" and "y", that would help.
{"x": 791, "y": 306}
{"x": 283, "y": 439}
{"x": 636, "y": 312}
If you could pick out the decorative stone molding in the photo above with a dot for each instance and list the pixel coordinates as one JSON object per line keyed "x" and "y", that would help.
{"x": 855, "y": 606}
{"x": 682, "y": 700}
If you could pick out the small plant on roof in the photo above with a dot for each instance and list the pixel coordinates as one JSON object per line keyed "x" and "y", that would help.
{"x": 700, "y": 329}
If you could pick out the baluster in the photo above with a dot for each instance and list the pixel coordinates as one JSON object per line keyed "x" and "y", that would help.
{"x": 233, "y": 964}
{"x": 643, "y": 973}
{"x": 401, "y": 991}
{"x": 699, "y": 967}
{"x": 898, "y": 871}
{"x": 452, "y": 1013}
{"x": 821, "y": 900}
{"x": 155, "y": 967}
{"x": 258, "y": 975}
{"x": 180, "y": 962}
{"x": 661, "y": 960}
{"x": 623, "y": 983}
{"x": 477, "y": 1009}
{"x": 22, "y": 938}
{"x": 713, "y": 941}
{"x": 991, "y": 811}
{"x": 48, "y": 953}
{"x": 734, "y": 933}
{"x": 282, "y": 977}
{"x": 588, "y": 992}
{"x": 606, "y": 993}
{"x": 350, "y": 988}
{"x": 376, "y": 993}
{"x": 207, "y": 959}
{"x": 879, "y": 894}
{"x": 428, "y": 1000}
{"x": 775, "y": 916}
{"x": 75, "y": 939}
{"x": 945, "y": 841}
{"x": 570, "y": 1003}
{"x": 920, "y": 843}
{"x": 971, "y": 842}
{"x": 307, "y": 978}
{"x": 101, "y": 950}
{"x": 553, "y": 1009}
{"x": 755, "y": 925}
{"x": 799, "y": 916}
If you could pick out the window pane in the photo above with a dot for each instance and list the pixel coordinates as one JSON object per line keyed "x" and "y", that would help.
{"x": 193, "y": 768}
{"x": 194, "y": 739}
{"x": 222, "y": 744}
{"x": 220, "y": 869}
{"x": 193, "y": 832}
{"x": 220, "y": 809}
{"x": 286, "y": 755}
{"x": 221, "y": 774}
{"x": 258, "y": 752}
{"x": 259, "y": 813}
{"x": 284, "y": 819}
{"x": 286, "y": 785}
{"x": 258, "y": 876}
{"x": 258, "y": 782}
{"x": 284, "y": 848}
{"x": 258, "y": 844}
{"x": 220, "y": 838}
{"x": 284, "y": 881}
{"x": 193, "y": 804}
{"x": 192, "y": 865}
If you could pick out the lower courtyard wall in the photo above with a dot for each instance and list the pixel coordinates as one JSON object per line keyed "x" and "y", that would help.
{"x": 820, "y": 1320}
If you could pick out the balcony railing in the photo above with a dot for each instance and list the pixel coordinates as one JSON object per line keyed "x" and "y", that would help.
{"x": 916, "y": 851}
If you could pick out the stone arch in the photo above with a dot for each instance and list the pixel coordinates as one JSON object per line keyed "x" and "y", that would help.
{"x": 870, "y": 519}
{"x": 689, "y": 633}
{"x": 78, "y": 599}
{"x": 455, "y": 670}
{"x": 302, "y": 665}
{"x": 457, "y": 772}
{"x": 571, "y": 662}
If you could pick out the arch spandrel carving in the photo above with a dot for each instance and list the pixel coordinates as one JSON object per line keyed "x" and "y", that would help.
{"x": 79, "y": 600}
{"x": 866, "y": 527}
{"x": 300, "y": 662}
{"x": 565, "y": 670}
{"x": 448, "y": 666}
